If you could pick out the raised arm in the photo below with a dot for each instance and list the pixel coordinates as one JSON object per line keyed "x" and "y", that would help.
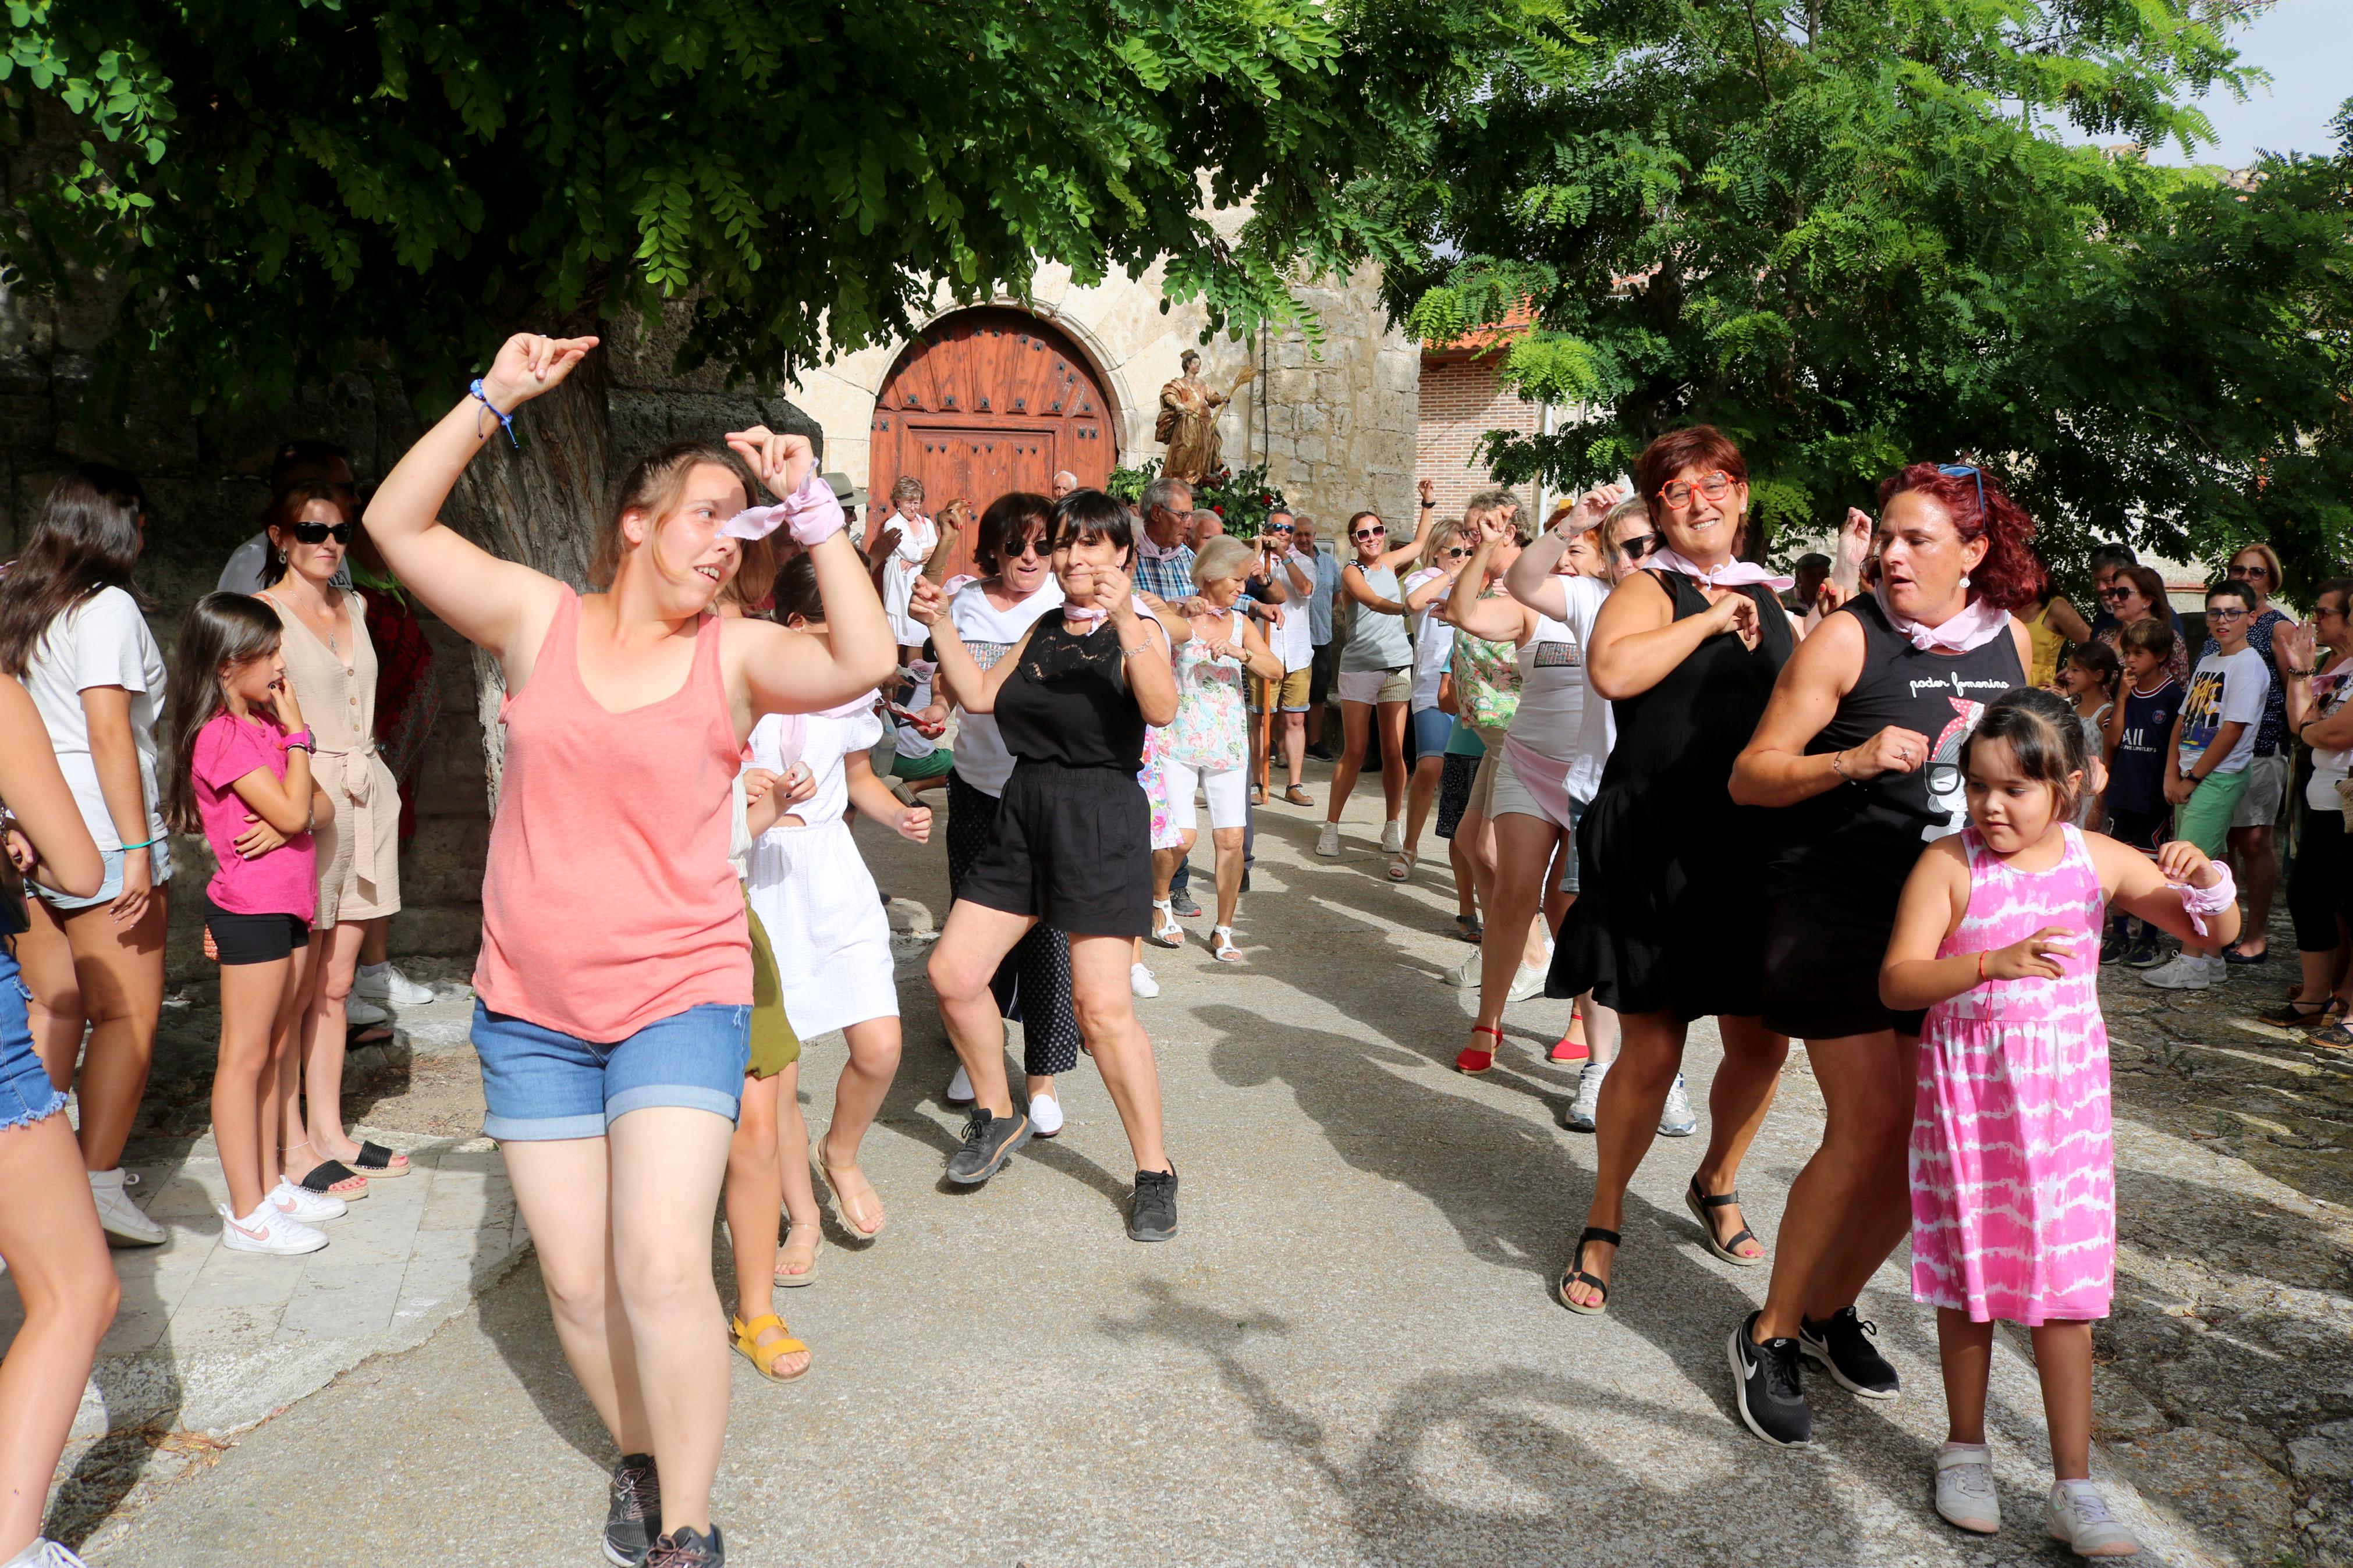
{"x": 289, "y": 805}
{"x": 960, "y": 678}
{"x": 1404, "y": 553}
{"x": 1533, "y": 579}
{"x": 38, "y": 796}
{"x": 492, "y": 604}
{"x": 1490, "y": 620}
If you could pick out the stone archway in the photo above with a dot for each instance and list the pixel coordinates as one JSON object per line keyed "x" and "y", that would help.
{"x": 986, "y": 401}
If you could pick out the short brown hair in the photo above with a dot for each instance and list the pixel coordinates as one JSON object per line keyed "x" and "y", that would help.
{"x": 652, "y": 487}
{"x": 1693, "y": 447}
{"x": 2149, "y": 636}
{"x": 907, "y": 487}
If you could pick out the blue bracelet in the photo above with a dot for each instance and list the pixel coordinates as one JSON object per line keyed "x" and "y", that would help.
{"x": 476, "y": 392}
{"x": 149, "y": 845}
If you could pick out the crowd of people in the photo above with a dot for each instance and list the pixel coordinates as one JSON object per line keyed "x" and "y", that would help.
{"x": 1900, "y": 806}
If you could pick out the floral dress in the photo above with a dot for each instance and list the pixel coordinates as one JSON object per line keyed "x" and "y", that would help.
{"x": 1211, "y": 732}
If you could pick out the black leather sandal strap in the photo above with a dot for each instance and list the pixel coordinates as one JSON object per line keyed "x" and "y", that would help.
{"x": 1595, "y": 1233}
{"x": 375, "y": 1157}
{"x": 326, "y": 1174}
{"x": 1718, "y": 1202}
{"x": 1743, "y": 1233}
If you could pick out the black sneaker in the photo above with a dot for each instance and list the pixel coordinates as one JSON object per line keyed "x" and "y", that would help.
{"x": 2146, "y": 952}
{"x": 1764, "y": 1385}
{"x": 633, "y": 1511}
{"x": 1845, "y": 1344}
{"x": 1183, "y": 904}
{"x": 2113, "y": 948}
{"x": 1152, "y": 1216}
{"x": 988, "y": 1142}
{"x": 687, "y": 1547}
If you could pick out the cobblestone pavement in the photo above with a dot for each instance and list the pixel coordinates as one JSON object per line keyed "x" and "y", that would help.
{"x": 1351, "y": 1355}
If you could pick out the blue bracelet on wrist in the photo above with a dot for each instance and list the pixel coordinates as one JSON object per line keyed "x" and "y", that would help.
{"x": 506, "y": 420}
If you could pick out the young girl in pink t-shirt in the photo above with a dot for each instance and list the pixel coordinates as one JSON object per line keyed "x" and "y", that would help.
{"x": 243, "y": 779}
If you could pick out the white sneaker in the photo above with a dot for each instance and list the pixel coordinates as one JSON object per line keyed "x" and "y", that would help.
{"x": 45, "y": 1555}
{"x": 2184, "y": 974}
{"x": 389, "y": 985}
{"x": 1139, "y": 980}
{"x": 359, "y": 1013}
{"x": 1965, "y": 1494}
{"x": 1588, "y": 1106}
{"x": 1045, "y": 1115}
{"x": 266, "y": 1230}
{"x": 960, "y": 1086}
{"x": 1464, "y": 976}
{"x": 1327, "y": 842}
{"x": 2079, "y": 1516}
{"x": 1675, "y": 1118}
{"x": 1393, "y": 837}
{"x": 302, "y": 1203}
{"x": 116, "y": 1212}
{"x": 1527, "y": 981}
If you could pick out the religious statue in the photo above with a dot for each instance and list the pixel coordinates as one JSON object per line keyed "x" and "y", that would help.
{"x": 1188, "y": 420}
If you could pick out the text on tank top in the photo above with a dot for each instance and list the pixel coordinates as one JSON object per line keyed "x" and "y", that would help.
{"x": 1875, "y": 828}
{"x": 1067, "y": 701}
{"x": 607, "y": 902}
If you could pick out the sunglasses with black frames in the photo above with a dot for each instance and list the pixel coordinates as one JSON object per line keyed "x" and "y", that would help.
{"x": 320, "y": 532}
{"x": 1634, "y": 549}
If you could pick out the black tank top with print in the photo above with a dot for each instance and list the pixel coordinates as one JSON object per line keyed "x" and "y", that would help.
{"x": 1861, "y": 840}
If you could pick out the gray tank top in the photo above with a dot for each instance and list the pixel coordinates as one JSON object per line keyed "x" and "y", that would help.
{"x": 1376, "y": 641}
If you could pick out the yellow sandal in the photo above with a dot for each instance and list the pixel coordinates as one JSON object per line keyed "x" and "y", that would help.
{"x": 764, "y": 1357}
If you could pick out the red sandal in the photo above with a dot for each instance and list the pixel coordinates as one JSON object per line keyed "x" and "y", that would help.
{"x": 1472, "y": 1059}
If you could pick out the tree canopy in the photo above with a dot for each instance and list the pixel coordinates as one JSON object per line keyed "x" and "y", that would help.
{"x": 1849, "y": 233}
{"x": 271, "y": 185}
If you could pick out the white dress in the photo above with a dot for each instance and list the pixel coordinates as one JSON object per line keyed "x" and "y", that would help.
{"x": 916, "y": 537}
{"x": 815, "y": 897}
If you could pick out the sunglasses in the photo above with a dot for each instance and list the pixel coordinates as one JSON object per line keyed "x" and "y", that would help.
{"x": 1374, "y": 532}
{"x": 2243, "y": 573}
{"x": 1634, "y": 549}
{"x": 2114, "y": 594}
{"x": 320, "y": 532}
{"x": 1955, "y": 470}
{"x": 1677, "y": 493}
{"x": 1035, "y": 544}
{"x": 1456, "y": 550}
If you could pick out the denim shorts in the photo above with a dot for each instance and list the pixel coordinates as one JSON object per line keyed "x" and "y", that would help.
{"x": 540, "y": 1085}
{"x": 1568, "y": 872}
{"x": 26, "y": 1095}
{"x": 159, "y": 865}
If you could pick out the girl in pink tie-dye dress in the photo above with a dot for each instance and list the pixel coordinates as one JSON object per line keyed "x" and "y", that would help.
{"x": 2013, "y": 1161}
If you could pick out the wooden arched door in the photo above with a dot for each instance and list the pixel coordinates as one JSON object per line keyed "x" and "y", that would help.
{"x": 987, "y": 401}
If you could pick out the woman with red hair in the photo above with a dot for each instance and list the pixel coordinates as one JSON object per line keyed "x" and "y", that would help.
{"x": 1664, "y": 929}
{"x": 1858, "y": 756}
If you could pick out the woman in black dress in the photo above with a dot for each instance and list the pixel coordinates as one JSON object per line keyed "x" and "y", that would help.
{"x": 1857, "y": 757}
{"x": 1668, "y": 927}
{"x": 1070, "y": 846}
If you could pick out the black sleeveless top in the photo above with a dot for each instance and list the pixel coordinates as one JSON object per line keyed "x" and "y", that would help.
{"x": 1067, "y": 702}
{"x": 1670, "y": 918}
{"x": 1858, "y": 842}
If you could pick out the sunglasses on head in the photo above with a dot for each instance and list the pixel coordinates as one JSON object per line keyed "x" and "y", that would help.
{"x": 320, "y": 532}
{"x": 1634, "y": 549}
{"x": 1956, "y": 470}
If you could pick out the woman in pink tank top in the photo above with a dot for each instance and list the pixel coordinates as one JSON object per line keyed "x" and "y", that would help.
{"x": 615, "y": 982}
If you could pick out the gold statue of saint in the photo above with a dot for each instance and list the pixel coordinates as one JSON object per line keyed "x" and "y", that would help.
{"x": 1188, "y": 420}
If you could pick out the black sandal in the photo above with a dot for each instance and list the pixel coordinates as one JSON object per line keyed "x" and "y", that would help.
{"x": 1699, "y": 1202}
{"x": 375, "y": 1162}
{"x": 1577, "y": 1274}
{"x": 325, "y": 1174}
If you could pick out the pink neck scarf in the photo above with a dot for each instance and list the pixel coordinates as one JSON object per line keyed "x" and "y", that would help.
{"x": 1978, "y": 624}
{"x": 1732, "y": 574}
{"x": 1151, "y": 552}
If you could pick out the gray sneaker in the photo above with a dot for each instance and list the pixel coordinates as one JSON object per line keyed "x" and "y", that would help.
{"x": 1587, "y": 1104}
{"x": 988, "y": 1142}
{"x": 687, "y": 1547}
{"x": 1675, "y": 1118}
{"x": 632, "y": 1510}
{"x": 1152, "y": 1216}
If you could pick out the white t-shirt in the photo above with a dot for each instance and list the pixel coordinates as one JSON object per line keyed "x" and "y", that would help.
{"x": 981, "y": 759}
{"x": 1550, "y": 718}
{"x": 2331, "y": 689}
{"x": 102, "y": 641}
{"x": 1433, "y": 643}
{"x": 1294, "y": 640}
{"x": 2225, "y": 689}
{"x": 825, "y": 742}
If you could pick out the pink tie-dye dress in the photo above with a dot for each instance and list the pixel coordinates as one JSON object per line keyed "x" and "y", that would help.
{"x": 2012, "y": 1158}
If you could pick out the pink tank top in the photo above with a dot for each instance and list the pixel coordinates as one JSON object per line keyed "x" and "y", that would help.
{"x": 608, "y": 902}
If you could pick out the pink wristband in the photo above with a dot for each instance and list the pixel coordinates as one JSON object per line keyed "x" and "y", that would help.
{"x": 2200, "y": 902}
{"x": 812, "y": 512}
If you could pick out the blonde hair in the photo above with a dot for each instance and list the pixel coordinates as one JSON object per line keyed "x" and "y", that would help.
{"x": 1220, "y": 558}
{"x": 652, "y": 488}
{"x": 1444, "y": 529}
{"x": 907, "y": 487}
{"x": 1488, "y": 503}
{"x": 2271, "y": 565}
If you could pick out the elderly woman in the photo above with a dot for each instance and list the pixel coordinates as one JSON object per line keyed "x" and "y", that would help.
{"x": 1207, "y": 746}
{"x": 1669, "y": 927}
{"x": 1858, "y": 756}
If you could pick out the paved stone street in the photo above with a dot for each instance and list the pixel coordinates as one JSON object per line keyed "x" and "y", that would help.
{"x": 1350, "y": 1354}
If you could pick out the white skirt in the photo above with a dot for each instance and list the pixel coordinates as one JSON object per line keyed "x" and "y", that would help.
{"x": 826, "y": 921}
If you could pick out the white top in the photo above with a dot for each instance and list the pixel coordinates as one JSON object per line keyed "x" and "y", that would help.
{"x": 102, "y": 641}
{"x": 824, "y": 741}
{"x": 1433, "y": 643}
{"x": 2331, "y": 688}
{"x": 906, "y": 739}
{"x": 1293, "y": 640}
{"x": 2226, "y": 688}
{"x": 981, "y": 759}
{"x": 1550, "y": 718}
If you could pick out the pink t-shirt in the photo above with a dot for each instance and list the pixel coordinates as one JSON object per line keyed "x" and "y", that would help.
{"x": 285, "y": 882}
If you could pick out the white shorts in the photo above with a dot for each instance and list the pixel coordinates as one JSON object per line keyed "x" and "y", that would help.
{"x": 1370, "y": 686}
{"x": 1229, "y": 790}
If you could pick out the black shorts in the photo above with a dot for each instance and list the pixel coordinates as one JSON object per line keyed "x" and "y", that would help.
{"x": 1071, "y": 846}
{"x": 2142, "y": 830}
{"x": 1321, "y": 671}
{"x": 1456, "y": 775}
{"x": 1822, "y": 953}
{"x": 254, "y": 939}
